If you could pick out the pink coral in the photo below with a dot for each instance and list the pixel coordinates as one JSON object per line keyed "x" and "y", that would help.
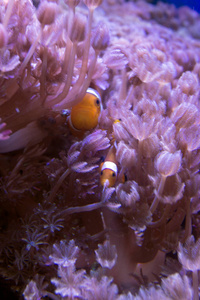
{"x": 62, "y": 233}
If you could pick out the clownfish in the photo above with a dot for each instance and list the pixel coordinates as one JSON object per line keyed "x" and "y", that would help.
{"x": 108, "y": 169}
{"x": 84, "y": 116}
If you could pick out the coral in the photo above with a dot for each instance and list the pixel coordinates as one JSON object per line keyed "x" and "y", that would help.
{"x": 106, "y": 255}
{"x": 64, "y": 235}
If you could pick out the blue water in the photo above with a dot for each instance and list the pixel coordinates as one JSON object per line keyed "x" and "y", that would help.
{"x": 193, "y": 4}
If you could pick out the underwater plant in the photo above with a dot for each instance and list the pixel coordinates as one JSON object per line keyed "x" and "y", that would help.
{"x": 99, "y": 150}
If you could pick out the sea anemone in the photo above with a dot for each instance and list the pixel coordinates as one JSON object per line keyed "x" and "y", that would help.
{"x": 63, "y": 234}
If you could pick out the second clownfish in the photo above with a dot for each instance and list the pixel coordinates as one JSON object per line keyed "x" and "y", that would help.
{"x": 108, "y": 169}
{"x": 84, "y": 116}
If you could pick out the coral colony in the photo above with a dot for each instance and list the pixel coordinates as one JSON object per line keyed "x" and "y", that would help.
{"x": 111, "y": 210}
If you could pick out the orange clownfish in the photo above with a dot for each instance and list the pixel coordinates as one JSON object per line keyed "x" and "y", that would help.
{"x": 108, "y": 169}
{"x": 84, "y": 116}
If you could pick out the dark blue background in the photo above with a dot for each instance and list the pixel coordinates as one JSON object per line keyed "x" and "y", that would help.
{"x": 194, "y": 4}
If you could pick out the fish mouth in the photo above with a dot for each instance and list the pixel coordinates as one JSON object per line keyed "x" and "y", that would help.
{"x": 105, "y": 183}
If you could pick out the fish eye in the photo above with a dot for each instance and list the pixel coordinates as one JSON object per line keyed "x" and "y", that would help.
{"x": 101, "y": 173}
{"x": 113, "y": 174}
{"x": 102, "y": 159}
{"x": 97, "y": 102}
